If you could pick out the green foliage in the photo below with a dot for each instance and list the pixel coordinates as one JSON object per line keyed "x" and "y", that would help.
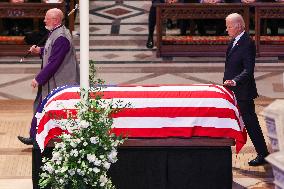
{"x": 88, "y": 148}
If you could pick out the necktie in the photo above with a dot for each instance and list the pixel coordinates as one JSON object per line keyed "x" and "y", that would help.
{"x": 231, "y": 44}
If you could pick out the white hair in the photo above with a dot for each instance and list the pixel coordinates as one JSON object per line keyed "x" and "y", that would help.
{"x": 236, "y": 19}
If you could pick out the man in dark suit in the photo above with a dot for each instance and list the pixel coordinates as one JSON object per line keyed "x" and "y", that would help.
{"x": 152, "y": 21}
{"x": 239, "y": 77}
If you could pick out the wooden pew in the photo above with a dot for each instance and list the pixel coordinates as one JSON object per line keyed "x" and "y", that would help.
{"x": 216, "y": 45}
{"x": 35, "y": 11}
{"x": 271, "y": 11}
{"x": 194, "y": 11}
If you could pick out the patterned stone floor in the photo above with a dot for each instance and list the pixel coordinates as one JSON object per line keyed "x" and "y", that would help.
{"x": 117, "y": 44}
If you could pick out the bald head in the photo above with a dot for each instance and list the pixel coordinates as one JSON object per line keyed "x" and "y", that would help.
{"x": 235, "y": 24}
{"x": 53, "y": 18}
{"x": 56, "y": 14}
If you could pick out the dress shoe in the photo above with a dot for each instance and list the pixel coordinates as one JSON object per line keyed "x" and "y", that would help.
{"x": 27, "y": 141}
{"x": 170, "y": 24}
{"x": 259, "y": 160}
{"x": 150, "y": 43}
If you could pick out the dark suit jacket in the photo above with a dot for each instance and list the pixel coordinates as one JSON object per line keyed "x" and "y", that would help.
{"x": 239, "y": 66}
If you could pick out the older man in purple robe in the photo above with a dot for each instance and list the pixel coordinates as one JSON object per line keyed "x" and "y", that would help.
{"x": 59, "y": 65}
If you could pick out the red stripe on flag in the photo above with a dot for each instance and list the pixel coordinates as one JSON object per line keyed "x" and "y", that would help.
{"x": 240, "y": 137}
{"x": 64, "y": 96}
{"x": 177, "y": 112}
{"x": 56, "y": 115}
{"x": 52, "y": 133}
{"x": 163, "y": 112}
{"x": 165, "y": 94}
{"x": 147, "y": 94}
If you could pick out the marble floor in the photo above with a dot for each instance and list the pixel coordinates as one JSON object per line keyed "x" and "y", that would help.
{"x": 118, "y": 33}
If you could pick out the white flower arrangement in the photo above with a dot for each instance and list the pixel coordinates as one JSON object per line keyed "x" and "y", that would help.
{"x": 83, "y": 157}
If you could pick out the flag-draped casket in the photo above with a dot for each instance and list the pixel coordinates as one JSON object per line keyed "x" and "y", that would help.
{"x": 158, "y": 111}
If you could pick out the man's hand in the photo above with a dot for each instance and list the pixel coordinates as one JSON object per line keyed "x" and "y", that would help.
{"x": 230, "y": 83}
{"x": 248, "y": 1}
{"x": 211, "y": 1}
{"x": 34, "y": 83}
{"x": 34, "y": 49}
{"x": 171, "y": 1}
{"x": 17, "y": 1}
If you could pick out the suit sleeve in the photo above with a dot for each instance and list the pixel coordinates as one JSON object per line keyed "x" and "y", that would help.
{"x": 248, "y": 61}
{"x": 59, "y": 50}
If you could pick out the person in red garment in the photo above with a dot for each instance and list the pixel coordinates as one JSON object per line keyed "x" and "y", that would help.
{"x": 239, "y": 77}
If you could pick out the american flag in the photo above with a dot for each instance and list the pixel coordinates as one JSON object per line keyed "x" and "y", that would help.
{"x": 160, "y": 111}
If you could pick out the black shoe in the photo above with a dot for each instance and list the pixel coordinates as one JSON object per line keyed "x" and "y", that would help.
{"x": 259, "y": 160}
{"x": 150, "y": 43}
{"x": 27, "y": 141}
{"x": 170, "y": 24}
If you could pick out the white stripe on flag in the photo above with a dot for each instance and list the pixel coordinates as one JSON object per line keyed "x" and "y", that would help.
{"x": 40, "y": 137}
{"x": 151, "y": 102}
{"x": 160, "y": 122}
{"x": 164, "y": 88}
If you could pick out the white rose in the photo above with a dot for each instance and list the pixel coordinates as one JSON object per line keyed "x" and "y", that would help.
{"x": 84, "y": 124}
{"x": 59, "y": 145}
{"x": 103, "y": 180}
{"x": 74, "y": 153}
{"x": 73, "y": 144}
{"x": 47, "y": 167}
{"x": 106, "y": 165}
{"x": 96, "y": 170}
{"x": 97, "y": 162}
{"x": 112, "y": 156}
{"x": 71, "y": 172}
{"x": 91, "y": 157}
{"x": 94, "y": 140}
{"x": 55, "y": 156}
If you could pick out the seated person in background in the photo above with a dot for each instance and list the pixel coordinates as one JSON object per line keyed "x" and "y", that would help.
{"x": 36, "y": 37}
{"x": 152, "y": 21}
{"x": 184, "y": 23}
{"x": 52, "y": 1}
{"x": 273, "y": 24}
{"x": 218, "y": 24}
{"x": 17, "y": 27}
{"x": 17, "y": 1}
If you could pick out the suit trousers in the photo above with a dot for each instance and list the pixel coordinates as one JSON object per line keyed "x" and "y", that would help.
{"x": 247, "y": 109}
{"x": 36, "y": 107}
{"x": 152, "y": 17}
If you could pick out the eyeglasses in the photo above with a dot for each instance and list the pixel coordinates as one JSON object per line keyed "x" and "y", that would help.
{"x": 46, "y": 18}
